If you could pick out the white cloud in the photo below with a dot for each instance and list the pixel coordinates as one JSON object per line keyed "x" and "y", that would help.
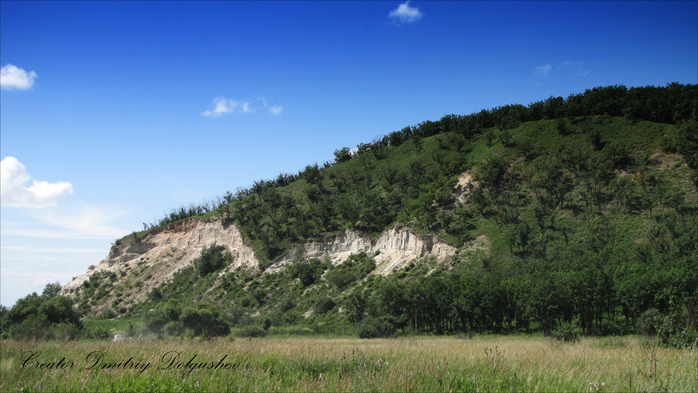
{"x": 544, "y": 70}
{"x": 276, "y": 109}
{"x": 405, "y": 14}
{"x": 15, "y": 193}
{"x": 223, "y": 105}
{"x": 13, "y": 77}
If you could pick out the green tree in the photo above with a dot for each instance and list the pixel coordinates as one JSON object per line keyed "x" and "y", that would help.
{"x": 340, "y": 277}
{"x": 324, "y": 305}
{"x": 375, "y": 327}
{"x": 211, "y": 259}
{"x": 355, "y": 306}
{"x": 155, "y": 320}
{"x": 51, "y": 290}
{"x": 205, "y": 319}
{"x": 342, "y": 155}
{"x": 59, "y": 309}
{"x": 307, "y": 271}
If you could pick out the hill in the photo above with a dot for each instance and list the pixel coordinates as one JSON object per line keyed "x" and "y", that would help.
{"x": 577, "y": 213}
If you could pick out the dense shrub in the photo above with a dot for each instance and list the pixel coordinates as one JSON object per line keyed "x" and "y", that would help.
{"x": 32, "y": 327}
{"x": 561, "y": 127}
{"x": 251, "y": 331}
{"x": 355, "y": 306}
{"x": 291, "y": 317}
{"x": 674, "y": 332}
{"x": 649, "y": 322}
{"x": 212, "y": 258}
{"x": 108, "y": 313}
{"x": 340, "y": 278}
{"x": 239, "y": 316}
{"x": 96, "y": 333}
{"x": 372, "y": 327}
{"x": 567, "y": 333}
{"x": 356, "y": 267}
{"x": 324, "y": 305}
{"x": 618, "y": 153}
{"x": 205, "y": 319}
{"x": 47, "y": 316}
{"x": 62, "y": 331}
{"x": 155, "y": 320}
{"x": 307, "y": 271}
{"x": 287, "y": 305}
{"x": 173, "y": 328}
{"x": 59, "y": 309}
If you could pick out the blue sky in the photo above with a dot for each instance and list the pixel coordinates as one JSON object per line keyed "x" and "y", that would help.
{"x": 114, "y": 113}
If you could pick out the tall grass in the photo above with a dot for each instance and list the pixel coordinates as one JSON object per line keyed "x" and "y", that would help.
{"x": 485, "y": 363}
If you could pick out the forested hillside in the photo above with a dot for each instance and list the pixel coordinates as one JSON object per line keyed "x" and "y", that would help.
{"x": 587, "y": 207}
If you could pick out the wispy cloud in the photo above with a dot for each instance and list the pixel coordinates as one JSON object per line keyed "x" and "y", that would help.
{"x": 54, "y": 243}
{"x": 51, "y": 250}
{"x": 13, "y": 77}
{"x": 405, "y": 14}
{"x": 576, "y": 68}
{"x": 276, "y": 109}
{"x": 570, "y": 68}
{"x": 222, "y": 106}
{"x": 15, "y": 193}
{"x": 544, "y": 70}
{"x": 82, "y": 221}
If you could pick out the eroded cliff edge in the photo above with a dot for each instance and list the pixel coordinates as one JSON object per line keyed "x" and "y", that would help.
{"x": 153, "y": 260}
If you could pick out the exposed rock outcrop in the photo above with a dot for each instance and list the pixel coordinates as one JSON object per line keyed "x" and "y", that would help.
{"x": 465, "y": 181}
{"x": 138, "y": 267}
{"x": 166, "y": 250}
{"x": 393, "y": 249}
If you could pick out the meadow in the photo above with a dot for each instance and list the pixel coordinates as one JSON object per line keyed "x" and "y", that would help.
{"x": 312, "y": 364}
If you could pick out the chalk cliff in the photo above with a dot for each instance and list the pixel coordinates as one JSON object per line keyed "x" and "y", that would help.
{"x": 393, "y": 249}
{"x": 164, "y": 251}
{"x": 157, "y": 256}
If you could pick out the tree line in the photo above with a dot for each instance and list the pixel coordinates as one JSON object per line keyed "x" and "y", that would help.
{"x": 672, "y": 104}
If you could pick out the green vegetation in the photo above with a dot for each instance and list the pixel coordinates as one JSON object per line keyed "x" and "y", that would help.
{"x": 307, "y": 271}
{"x": 407, "y": 176}
{"x": 213, "y": 258}
{"x": 45, "y": 316}
{"x": 589, "y": 206}
{"x": 410, "y": 364}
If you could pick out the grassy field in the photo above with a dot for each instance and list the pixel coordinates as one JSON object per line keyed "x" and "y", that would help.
{"x": 434, "y": 364}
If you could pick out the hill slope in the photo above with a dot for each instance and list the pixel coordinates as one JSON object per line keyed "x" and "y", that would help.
{"x": 580, "y": 210}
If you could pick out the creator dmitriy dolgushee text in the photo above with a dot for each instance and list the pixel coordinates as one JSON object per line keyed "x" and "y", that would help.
{"x": 97, "y": 360}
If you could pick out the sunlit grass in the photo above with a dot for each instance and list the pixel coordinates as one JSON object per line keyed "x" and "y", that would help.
{"x": 487, "y": 363}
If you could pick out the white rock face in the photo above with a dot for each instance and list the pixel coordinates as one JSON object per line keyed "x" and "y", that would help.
{"x": 155, "y": 258}
{"x": 465, "y": 180}
{"x": 394, "y": 248}
{"x": 169, "y": 249}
